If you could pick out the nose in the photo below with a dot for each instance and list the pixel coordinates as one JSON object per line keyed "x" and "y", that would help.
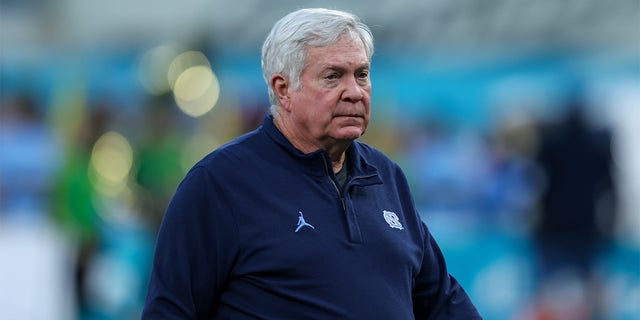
{"x": 353, "y": 91}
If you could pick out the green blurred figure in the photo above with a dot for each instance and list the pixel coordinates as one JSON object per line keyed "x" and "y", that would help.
{"x": 75, "y": 197}
{"x": 158, "y": 158}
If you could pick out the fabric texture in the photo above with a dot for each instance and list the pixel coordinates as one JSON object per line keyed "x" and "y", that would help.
{"x": 259, "y": 230}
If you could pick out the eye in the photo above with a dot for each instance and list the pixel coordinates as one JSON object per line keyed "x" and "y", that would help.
{"x": 363, "y": 74}
{"x": 332, "y": 76}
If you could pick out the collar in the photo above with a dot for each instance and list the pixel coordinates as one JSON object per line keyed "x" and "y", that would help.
{"x": 318, "y": 161}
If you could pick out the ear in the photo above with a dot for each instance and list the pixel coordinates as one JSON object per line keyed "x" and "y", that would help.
{"x": 281, "y": 88}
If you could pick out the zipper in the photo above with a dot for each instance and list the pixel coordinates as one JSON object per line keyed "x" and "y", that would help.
{"x": 355, "y": 235}
{"x": 335, "y": 186}
{"x": 352, "y": 224}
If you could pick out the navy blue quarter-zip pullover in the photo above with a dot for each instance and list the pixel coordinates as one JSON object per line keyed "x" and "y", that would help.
{"x": 259, "y": 230}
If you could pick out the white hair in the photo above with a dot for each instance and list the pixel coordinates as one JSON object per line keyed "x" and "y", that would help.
{"x": 284, "y": 49}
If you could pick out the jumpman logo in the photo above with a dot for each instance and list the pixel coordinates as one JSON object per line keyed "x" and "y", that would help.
{"x": 302, "y": 223}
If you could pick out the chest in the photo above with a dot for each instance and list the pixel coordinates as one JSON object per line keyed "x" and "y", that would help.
{"x": 308, "y": 227}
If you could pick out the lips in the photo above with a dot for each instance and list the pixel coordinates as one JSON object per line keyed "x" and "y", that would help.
{"x": 350, "y": 115}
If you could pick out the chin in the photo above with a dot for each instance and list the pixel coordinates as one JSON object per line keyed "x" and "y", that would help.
{"x": 349, "y": 133}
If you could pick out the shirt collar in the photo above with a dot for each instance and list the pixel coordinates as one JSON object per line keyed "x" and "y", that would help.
{"x": 357, "y": 165}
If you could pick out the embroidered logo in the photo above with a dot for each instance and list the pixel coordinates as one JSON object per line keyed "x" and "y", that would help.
{"x": 392, "y": 219}
{"x": 302, "y": 223}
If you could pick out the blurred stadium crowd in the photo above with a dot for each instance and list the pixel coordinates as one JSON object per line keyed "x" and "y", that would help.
{"x": 524, "y": 162}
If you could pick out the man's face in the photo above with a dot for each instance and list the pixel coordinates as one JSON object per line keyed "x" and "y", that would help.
{"x": 332, "y": 104}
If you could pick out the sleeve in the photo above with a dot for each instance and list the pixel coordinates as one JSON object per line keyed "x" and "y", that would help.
{"x": 194, "y": 253}
{"x": 436, "y": 294}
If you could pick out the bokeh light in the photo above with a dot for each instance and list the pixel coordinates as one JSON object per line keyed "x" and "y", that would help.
{"x": 111, "y": 162}
{"x": 195, "y": 87}
{"x": 184, "y": 61}
{"x": 196, "y": 90}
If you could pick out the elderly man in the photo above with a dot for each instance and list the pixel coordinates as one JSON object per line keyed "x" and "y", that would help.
{"x": 297, "y": 220}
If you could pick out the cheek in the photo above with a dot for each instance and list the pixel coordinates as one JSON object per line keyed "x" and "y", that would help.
{"x": 319, "y": 105}
{"x": 311, "y": 111}
{"x": 367, "y": 108}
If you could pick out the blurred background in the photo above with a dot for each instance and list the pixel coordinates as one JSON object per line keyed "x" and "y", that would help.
{"x": 517, "y": 123}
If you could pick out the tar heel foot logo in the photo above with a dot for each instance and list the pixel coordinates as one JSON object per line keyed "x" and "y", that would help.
{"x": 302, "y": 223}
{"x": 392, "y": 219}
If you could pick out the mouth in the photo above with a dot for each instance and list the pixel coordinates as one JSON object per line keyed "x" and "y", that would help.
{"x": 349, "y": 116}
{"x": 350, "y": 120}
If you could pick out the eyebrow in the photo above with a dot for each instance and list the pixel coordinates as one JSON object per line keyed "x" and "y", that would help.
{"x": 342, "y": 69}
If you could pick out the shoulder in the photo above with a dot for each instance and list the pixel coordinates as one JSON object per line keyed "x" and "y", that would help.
{"x": 370, "y": 152}
{"x": 375, "y": 156}
{"x": 233, "y": 155}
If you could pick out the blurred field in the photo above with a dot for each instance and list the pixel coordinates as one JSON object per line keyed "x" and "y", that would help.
{"x": 104, "y": 106}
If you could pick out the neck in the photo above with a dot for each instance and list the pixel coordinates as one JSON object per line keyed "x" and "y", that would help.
{"x": 337, "y": 164}
{"x": 335, "y": 149}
